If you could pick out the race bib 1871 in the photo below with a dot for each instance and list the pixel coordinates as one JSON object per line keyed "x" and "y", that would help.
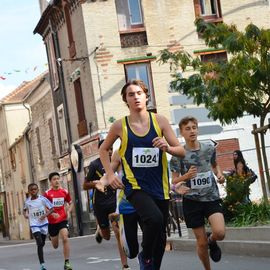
{"x": 202, "y": 180}
{"x": 145, "y": 157}
{"x": 37, "y": 212}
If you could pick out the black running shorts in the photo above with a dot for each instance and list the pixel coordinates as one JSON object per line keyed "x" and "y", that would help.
{"x": 54, "y": 229}
{"x": 195, "y": 212}
{"x": 102, "y": 213}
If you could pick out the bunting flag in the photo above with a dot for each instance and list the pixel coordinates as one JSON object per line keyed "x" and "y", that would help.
{"x": 26, "y": 71}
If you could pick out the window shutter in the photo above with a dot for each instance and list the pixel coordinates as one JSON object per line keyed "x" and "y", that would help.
{"x": 197, "y": 8}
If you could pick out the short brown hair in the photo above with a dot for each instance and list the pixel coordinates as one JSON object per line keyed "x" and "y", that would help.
{"x": 187, "y": 119}
{"x": 139, "y": 83}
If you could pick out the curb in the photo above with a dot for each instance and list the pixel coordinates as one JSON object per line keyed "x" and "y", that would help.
{"x": 235, "y": 247}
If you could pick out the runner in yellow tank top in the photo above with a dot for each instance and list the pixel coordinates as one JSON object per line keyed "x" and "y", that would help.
{"x": 152, "y": 208}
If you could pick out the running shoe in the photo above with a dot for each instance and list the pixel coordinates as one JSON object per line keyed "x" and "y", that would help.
{"x": 98, "y": 236}
{"x": 126, "y": 267}
{"x": 215, "y": 251}
{"x": 145, "y": 264}
{"x": 42, "y": 267}
{"x": 67, "y": 266}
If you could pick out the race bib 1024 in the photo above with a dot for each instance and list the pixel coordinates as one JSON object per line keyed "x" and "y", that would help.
{"x": 145, "y": 157}
{"x": 202, "y": 180}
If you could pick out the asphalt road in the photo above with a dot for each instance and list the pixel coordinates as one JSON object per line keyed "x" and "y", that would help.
{"x": 87, "y": 254}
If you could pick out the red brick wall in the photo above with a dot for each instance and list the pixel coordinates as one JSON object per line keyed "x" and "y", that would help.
{"x": 225, "y": 150}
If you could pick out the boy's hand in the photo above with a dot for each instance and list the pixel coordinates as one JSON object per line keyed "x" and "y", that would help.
{"x": 55, "y": 215}
{"x": 221, "y": 178}
{"x": 181, "y": 189}
{"x": 192, "y": 172}
{"x": 99, "y": 185}
{"x": 160, "y": 143}
{"x": 115, "y": 182}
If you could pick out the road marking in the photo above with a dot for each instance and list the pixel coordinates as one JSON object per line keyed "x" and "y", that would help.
{"x": 17, "y": 245}
{"x": 100, "y": 260}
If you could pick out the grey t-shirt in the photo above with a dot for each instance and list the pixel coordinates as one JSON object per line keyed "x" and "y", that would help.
{"x": 204, "y": 186}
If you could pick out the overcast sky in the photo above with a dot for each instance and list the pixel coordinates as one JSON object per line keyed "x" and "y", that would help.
{"x": 22, "y": 54}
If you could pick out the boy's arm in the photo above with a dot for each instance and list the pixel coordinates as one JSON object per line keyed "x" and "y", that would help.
{"x": 217, "y": 171}
{"x": 171, "y": 145}
{"x": 89, "y": 181}
{"x": 177, "y": 177}
{"x": 26, "y": 213}
{"x": 114, "y": 133}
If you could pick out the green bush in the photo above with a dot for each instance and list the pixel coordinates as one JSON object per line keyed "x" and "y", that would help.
{"x": 251, "y": 214}
{"x": 238, "y": 209}
{"x": 237, "y": 190}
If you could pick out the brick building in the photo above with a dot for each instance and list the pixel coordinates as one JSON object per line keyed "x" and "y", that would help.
{"x": 95, "y": 46}
{"x": 14, "y": 159}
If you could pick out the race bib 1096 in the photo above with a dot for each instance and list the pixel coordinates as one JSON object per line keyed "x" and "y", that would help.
{"x": 202, "y": 180}
{"x": 145, "y": 157}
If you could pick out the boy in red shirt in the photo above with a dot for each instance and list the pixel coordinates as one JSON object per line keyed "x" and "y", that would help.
{"x": 58, "y": 221}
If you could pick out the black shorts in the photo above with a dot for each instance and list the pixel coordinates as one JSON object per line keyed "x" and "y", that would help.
{"x": 195, "y": 212}
{"x": 54, "y": 229}
{"x": 102, "y": 214}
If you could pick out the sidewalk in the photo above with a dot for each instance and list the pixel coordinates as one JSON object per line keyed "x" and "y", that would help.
{"x": 248, "y": 241}
{"x": 7, "y": 242}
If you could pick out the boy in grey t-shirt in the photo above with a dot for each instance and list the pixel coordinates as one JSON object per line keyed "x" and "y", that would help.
{"x": 193, "y": 175}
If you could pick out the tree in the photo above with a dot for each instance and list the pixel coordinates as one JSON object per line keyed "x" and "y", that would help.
{"x": 231, "y": 88}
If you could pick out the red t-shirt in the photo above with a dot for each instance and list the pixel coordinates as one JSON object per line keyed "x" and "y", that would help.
{"x": 58, "y": 198}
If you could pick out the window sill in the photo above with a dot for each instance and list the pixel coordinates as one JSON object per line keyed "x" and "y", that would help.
{"x": 133, "y": 30}
{"x": 212, "y": 19}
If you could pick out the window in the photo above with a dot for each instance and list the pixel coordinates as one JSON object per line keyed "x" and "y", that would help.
{"x": 209, "y": 10}
{"x": 50, "y": 125}
{"x": 142, "y": 71}
{"x": 214, "y": 57}
{"x": 129, "y": 14}
{"x": 72, "y": 49}
{"x": 82, "y": 125}
{"x": 130, "y": 23}
{"x": 44, "y": 185}
{"x": 52, "y": 63}
{"x": 62, "y": 127}
{"x": 208, "y": 7}
{"x": 135, "y": 12}
{"x": 12, "y": 152}
{"x": 40, "y": 156}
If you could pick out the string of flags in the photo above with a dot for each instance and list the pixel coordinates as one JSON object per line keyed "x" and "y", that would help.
{"x": 5, "y": 75}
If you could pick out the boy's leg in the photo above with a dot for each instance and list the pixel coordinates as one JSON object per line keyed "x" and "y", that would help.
{"x": 115, "y": 228}
{"x": 53, "y": 232}
{"x": 161, "y": 240}
{"x": 102, "y": 218}
{"x": 202, "y": 246}
{"x": 152, "y": 220}
{"x": 194, "y": 218}
{"x": 40, "y": 244}
{"x": 63, "y": 233}
{"x": 129, "y": 234}
{"x": 217, "y": 223}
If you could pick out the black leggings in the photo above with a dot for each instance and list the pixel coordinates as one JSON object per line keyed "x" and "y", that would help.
{"x": 153, "y": 215}
{"x": 40, "y": 240}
